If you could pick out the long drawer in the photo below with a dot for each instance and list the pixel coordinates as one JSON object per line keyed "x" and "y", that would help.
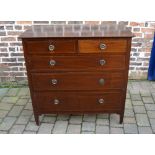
{"x": 77, "y": 81}
{"x": 79, "y": 63}
{"x": 77, "y": 101}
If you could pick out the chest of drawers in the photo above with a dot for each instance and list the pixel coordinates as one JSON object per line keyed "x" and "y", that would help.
{"x": 77, "y": 71}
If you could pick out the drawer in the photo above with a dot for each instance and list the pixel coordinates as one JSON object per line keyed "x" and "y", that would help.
{"x": 55, "y": 101}
{"x": 47, "y": 46}
{"x": 77, "y": 101}
{"x": 102, "y": 45}
{"x": 98, "y": 101}
{"x": 73, "y": 63}
{"x": 77, "y": 81}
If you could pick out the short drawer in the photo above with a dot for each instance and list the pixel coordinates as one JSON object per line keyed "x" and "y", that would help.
{"x": 102, "y": 45}
{"x": 77, "y": 81}
{"x": 46, "y": 46}
{"x": 77, "y": 101}
{"x": 76, "y": 63}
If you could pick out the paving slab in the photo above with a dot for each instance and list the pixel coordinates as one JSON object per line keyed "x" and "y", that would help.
{"x": 12, "y": 92}
{"x": 28, "y": 106}
{"x": 22, "y": 101}
{"x": 152, "y": 122}
{"x": 5, "y": 106}
{"x": 136, "y": 97}
{"x": 129, "y": 113}
{"x": 12, "y": 99}
{"x": 75, "y": 119}
{"x": 23, "y": 91}
{"x": 145, "y": 130}
{"x": 17, "y": 129}
{"x": 62, "y": 117}
{"x": 49, "y": 119}
{"x": 23, "y": 119}
{"x": 27, "y": 112}
{"x": 134, "y": 91}
{"x": 137, "y": 103}
{"x": 144, "y": 92}
{"x": 88, "y": 126}
{"x": 148, "y": 100}
{"x": 101, "y": 121}
{"x": 130, "y": 129}
{"x": 128, "y": 104}
{"x": 45, "y": 128}
{"x": 3, "y": 113}
{"x": 150, "y": 106}
{"x": 103, "y": 116}
{"x": 15, "y": 111}
{"x": 3, "y": 132}
{"x": 60, "y": 127}
{"x": 87, "y": 132}
{"x": 142, "y": 120}
{"x": 102, "y": 129}
{"x": 89, "y": 118}
{"x": 139, "y": 109}
{"x": 74, "y": 129}
{"x": 3, "y": 91}
{"x": 29, "y": 132}
{"x": 129, "y": 120}
{"x": 116, "y": 131}
{"x": 31, "y": 126}
{"x": 114, "y": 120}
{"x": 151, "y": 114}
{"x": 7, "y": 123}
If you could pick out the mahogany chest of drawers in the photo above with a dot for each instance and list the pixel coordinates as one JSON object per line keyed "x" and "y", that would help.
{"x": 76, "y": 69}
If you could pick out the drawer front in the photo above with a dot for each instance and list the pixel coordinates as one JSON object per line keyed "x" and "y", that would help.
{"x": 68, "y": 63}
{"x": 77, "y": 81}
{"x": 98, "y": 101}
{"x": 103, "y": 45}
{"x": 50, "y": 46}
{"x": 77, "y": 101}
{"x": 56, "y": 101}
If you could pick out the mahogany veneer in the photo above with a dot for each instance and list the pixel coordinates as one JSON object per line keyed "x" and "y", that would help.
{"x": 76, "y": 69}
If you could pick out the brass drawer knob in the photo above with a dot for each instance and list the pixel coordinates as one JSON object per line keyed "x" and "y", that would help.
{"x": 101, "y": 101}
{"x": 102, "y": 62}
{"x": 51, "y": 47}
{"x": 54, "y": 81}
{"x": 56, "y": 101}
{"x": 52, "y": 62}
{"x": 103, "y": 46}
{"x": 101, "y": 81}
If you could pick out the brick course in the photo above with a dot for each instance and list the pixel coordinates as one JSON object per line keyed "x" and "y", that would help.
{"x": 11, "y": 52}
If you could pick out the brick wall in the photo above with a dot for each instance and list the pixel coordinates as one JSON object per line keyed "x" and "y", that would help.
{"x": 12, "y": 66}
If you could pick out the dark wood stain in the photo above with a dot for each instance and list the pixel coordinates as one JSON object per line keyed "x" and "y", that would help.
{"x": 85, "y": 74}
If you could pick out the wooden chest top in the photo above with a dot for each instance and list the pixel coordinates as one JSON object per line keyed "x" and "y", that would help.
{"x": 77, "y": 31}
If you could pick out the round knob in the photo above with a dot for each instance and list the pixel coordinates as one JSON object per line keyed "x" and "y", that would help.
{"x": 102, "y": 62}
{"x": 102, "y": 46}
{"x": 52, "y": 62}
{"x": 51, "y": 47}
{"x": 56, "y": 101}
{"x": 54, "y": 81}
{"x": 101, "y": 101}
{"x": 101, "y": 81}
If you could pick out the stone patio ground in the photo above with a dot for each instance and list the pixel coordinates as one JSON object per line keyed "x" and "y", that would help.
{"x": 16, "y": 115}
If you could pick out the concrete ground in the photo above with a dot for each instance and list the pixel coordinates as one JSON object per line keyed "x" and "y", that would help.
{"x": 16, "y": 115}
